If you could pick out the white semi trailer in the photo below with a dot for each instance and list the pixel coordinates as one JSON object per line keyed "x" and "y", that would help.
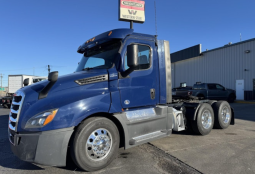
{"x": 15, "y": 82}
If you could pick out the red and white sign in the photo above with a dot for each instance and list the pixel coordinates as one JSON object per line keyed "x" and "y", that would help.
{"x": 132, "y": 10}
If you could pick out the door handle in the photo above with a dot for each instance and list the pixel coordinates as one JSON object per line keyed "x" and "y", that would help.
{"x": 152, "y": 93}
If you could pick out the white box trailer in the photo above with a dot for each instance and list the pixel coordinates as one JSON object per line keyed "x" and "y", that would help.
{"x": 15, "y": 82}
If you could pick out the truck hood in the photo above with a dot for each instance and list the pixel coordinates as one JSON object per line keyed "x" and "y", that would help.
{"x": 64, "y": 93}
{"x": 66, "y": 81}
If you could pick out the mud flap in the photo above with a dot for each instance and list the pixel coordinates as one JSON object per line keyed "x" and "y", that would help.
{"x": 233, "y": 117}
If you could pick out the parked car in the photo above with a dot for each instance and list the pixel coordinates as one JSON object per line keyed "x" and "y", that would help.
{"x": 181, "y": 92}
{"x": 212, "y": 91}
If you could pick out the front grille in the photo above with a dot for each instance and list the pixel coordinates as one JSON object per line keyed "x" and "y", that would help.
{"x": 14, "y": 114}
{"x": 94, "y": 79}
{"x": 13, "y": 124}
{"x": 17, "y": 98}
{"x": 15, "y": 107}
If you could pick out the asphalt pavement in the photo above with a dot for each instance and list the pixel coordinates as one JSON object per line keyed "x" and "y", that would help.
{"x": 142, "y": 159}
{"x": 231, "y": 150}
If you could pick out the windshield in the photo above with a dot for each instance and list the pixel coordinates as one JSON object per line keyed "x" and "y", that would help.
{"x": 100, "y": 56}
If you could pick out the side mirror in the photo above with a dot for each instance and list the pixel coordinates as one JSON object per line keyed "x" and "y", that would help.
{"x": 53, "y": 76}
{"x": 132, "y": 56}
{"x": 132, "y": 59}
{"x": 26, "y": 82}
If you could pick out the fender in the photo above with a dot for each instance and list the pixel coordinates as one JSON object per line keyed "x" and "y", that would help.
{"x": 191, "y": 110}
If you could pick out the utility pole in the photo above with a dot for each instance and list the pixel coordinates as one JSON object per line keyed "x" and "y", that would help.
{"x": 1, "y": 76}
{"x": 48, "y": 69}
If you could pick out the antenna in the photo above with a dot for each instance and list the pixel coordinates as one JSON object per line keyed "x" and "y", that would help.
{"x": 240, "y": 37}
{"x": 155, "y": 18}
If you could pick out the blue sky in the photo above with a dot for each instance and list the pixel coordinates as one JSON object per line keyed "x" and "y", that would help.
{"x": 36, "y": 33}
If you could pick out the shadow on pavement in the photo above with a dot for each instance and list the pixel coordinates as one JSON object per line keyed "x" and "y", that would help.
{"x": 244, "y": 111}
{"x": 70, "y": 165}
{"x": 7, "y": 158}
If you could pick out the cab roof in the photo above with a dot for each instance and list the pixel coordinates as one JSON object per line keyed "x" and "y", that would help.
{"x": 113, "y": 34}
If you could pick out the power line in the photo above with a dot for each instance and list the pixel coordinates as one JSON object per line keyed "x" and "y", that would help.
{"x": 23, "y": 69}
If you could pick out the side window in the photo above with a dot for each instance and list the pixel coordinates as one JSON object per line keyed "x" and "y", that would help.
{"x": 211, "y": 86}
{"x": 219, "y": 87}
{"x": 199, "y": 86}
{"x": 94, "y": 62}
{"x": 144, "y": 60}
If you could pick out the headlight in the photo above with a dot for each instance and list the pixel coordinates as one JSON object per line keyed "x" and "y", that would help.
{"x": 41, "y": 119}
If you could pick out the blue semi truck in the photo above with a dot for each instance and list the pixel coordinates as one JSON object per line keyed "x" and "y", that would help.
{"x": 119, "y": 96}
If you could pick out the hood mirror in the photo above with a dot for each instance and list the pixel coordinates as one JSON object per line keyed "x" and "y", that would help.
{"x": 53, "y": 76}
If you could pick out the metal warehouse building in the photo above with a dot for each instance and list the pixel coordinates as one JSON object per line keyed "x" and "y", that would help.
{"x": 232, "y": 66}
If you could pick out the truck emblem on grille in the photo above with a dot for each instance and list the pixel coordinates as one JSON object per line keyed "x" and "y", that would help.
{"x": 126, "y": 102}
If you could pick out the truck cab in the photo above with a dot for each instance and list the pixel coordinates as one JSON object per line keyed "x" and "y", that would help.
{"x": 119, "y": 96}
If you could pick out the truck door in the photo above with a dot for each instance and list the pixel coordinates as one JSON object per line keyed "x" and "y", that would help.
{"x": 216, "y": 92}
{"x": 222, "y": 93}
{"x": 212, "y": 92}
{"x": 140, "y": 88}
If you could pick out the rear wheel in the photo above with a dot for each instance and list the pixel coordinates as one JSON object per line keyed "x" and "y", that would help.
{"x": 204, "y": 121}
{"x": 222, "y": 112}
{"x": 95, "y": 144}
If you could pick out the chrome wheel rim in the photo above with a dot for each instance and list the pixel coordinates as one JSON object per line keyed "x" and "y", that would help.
{"x": 206, "y": 119}
{"x": 99, "y": 144}
{"x": 225, "y": 115}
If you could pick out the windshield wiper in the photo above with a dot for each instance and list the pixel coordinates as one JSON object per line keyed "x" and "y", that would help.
{"x": 87, "y": 69}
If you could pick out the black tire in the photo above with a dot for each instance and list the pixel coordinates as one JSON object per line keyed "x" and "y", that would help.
{"x": 86, "y": 158}
{"x": 231, "y": 98}
{"x": 223, "y": 115}
{"x": 197, "y": 125}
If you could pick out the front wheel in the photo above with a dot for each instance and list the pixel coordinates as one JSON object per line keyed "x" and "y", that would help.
{"x": 95, "y": 144}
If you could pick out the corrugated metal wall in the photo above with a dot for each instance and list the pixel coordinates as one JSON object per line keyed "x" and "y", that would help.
{"x": 224, "y": 65}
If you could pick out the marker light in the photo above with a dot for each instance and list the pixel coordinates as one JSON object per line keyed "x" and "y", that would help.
{"x": 50, "y": 117}
{"x": 90, "y": 40}
{"x": 109, "y": 34}
{"x": 41, "y": 119}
